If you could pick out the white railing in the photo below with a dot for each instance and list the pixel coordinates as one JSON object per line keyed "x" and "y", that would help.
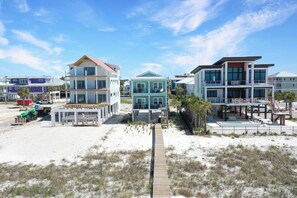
{"x": 236, "y": 100}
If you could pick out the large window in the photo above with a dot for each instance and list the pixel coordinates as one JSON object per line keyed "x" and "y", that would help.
{"x": 212, "y": 75}
{"x": 23, "y": 81}
{"x": 259, "y": 93}
{"x": 212, "y": 93}
{"x": 80, "y": 84}
{"x": 101, "y": 84}
{"x": 81, "y": 98}
{"x": 235, "y": 73}
{"x": 101, "y": 98}
{"x": 260, "y": 75}
{"x": 89, "y": 70}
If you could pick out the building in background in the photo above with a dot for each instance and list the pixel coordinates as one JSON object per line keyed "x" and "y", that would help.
{"x": 283, "y": 81}
{"x": 235, "y": 83}
{"x": 176, "y": 79}
{"x": 38, "y": 86}
{"x": 187, "y": 84}
{"x": 126, "y": 88}
{"x": 149, "y": 96}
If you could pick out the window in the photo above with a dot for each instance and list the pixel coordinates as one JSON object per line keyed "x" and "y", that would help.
{"x": 212, "y": 75}
{"x": 259, "y": 93}
{"x": 101, "y": 84}
{"x": 81, "y": 98}
{"x": 260, "y": 75}
{"x": 158, "y": 100}
{"x": 101, "y": 98}
{"x": 89, "y": 71}
{"x": 212, "y": 93}
{"x": 80, "y": 84}
{"x": 23, "y": 81}
{"x": 235, "y": 73}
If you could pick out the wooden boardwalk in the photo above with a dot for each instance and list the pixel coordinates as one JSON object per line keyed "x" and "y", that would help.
{"x": 161, "y": 182}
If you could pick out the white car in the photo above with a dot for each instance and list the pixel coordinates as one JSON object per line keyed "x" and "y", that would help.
{"x": 44, "y": 101}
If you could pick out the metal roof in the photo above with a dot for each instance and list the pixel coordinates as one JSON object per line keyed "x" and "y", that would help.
{"x": 283, "y": 74}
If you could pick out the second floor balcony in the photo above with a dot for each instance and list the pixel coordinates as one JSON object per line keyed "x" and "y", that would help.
{"x": 140, "y": 90}
{"x": 233, "y": 82}
{"x": 236, "y": 100}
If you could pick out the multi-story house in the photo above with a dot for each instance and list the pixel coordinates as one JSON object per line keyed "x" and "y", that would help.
{"x": 93, "y": 82}
{"x": 283, "y": 81}
{"x": 187, "y": 84}
{"x": 38, "y": 86}
{"x": 149, "y": 96}
{"x": 177, "y": 78}
{"x": 233, "y": 82}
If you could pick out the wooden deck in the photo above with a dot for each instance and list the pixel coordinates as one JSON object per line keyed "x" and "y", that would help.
{"x": 161, "y": 182}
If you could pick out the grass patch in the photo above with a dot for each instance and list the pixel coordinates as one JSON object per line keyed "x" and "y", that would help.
{"x": 120, "y": 174}
{"x": 126, "y": 100}
{"x": 236, "y": 172}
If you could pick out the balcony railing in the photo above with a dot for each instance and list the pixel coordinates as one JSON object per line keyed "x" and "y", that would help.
{"x": 233, "y": 82}
{"x": 235, "y": 100}
{"x": 140, "y": 106}
{"x": 140, "y": 91}
{"x": 156, "y": 106}
{"x": 157, "y": 90}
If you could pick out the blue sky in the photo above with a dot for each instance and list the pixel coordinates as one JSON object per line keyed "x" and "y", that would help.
{"x": 40, "y": 37}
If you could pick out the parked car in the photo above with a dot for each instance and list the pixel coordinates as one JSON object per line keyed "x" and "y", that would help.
{"x": 262, "y": 109}
{"x": 44, "y": 101}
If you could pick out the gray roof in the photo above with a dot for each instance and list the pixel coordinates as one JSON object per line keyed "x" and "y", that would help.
{"x": 186, "y": 81}
{"x": 283, "y": 74}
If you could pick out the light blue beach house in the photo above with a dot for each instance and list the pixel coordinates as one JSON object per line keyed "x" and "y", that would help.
{"x": 149, "y": 96}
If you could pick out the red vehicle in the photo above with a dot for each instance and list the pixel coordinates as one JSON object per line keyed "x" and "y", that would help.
{"x": 25, "y": 102}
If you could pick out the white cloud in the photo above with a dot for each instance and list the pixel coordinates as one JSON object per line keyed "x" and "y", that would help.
{"x": 29, "y": 38}
{"x": 107, "y": 29}
{"x": 3, "y": 41}
{"x": 187, "y": 16}
{"x": 22, "y": 56}
{"x": 154, "y": 67}
{"x": 228, "y": 39}
{"x": 59, "y": 38}
{"x": 21, "y": 5}
{"x": 144, "y": 9}
{"x": 40, "y": 12}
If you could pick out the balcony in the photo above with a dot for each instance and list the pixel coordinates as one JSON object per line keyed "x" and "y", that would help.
{"x": 140, "y": 106}
{"x": 140, "y": 90}
{"x": 234, "y": 82}
{"x": 157, "y": 90}
{"x": 156, "y": 106}
{"x": 236, "y": 100}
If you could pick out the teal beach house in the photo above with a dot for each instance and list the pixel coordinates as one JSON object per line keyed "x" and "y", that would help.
{"x": 149, "y": 96}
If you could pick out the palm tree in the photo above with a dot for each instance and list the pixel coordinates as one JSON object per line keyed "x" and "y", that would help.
{"x": 278, "y": 95}
{"x": 289, "y": 97}
{"x": 23, "y": 92}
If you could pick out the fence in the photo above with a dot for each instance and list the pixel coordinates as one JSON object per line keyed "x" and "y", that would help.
{"x": 252, "y": 130}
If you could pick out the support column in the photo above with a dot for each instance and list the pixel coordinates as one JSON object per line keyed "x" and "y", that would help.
{"x": 53, "y": 113}
{"x": 252, "y": 111}
{"x": 246, "y": 116}
{"x": 240, "y": 111}
{"x": 99, "y": 117}
{"x": 252, "y": 81}
{"x": 205, "y": 94}
{"x": 75, "y": 117}
{"x": 59, "y": 116}
{"x": 225, "y": 113}
{"x": 265, "y": 114}
{"x": 226, "y": 81}
{"x": 258, "y": 110}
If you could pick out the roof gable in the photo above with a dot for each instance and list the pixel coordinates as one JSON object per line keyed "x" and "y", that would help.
{"x": 148, "y": 74}
{"x": 109, "y": 67}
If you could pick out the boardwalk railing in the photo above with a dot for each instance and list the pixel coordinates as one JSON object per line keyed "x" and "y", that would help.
{"x": 240, "y": 130}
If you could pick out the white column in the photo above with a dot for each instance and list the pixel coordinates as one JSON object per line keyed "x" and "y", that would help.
{"x": 87, "y": 97}
{"x": 59, "y": 116}
{"x": 149, "y": 94}
{"x": 76, "y": 97}
{"x": 99, "y": 117}
{"x": 252, "y": 81}
{"x": 226, "y": 81}
{"x": 272, "y": 95}
{"x": 75, "y": 117}
{"x": 53, "y": 113}
{"x": 131, "y": 92}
